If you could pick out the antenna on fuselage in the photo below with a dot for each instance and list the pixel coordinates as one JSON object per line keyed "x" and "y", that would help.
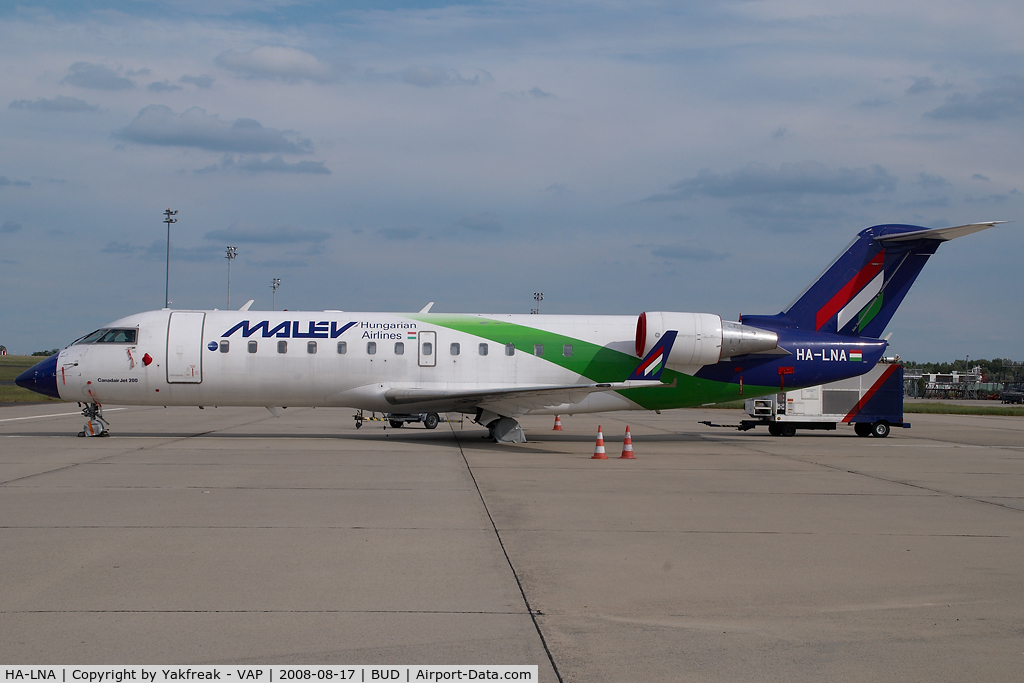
{"x": 232, "y": 255}
{"x": 167, "y": 277}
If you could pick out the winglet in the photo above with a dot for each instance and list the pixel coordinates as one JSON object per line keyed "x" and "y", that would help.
{"x": 426, "y": 309}
{"x": 246, "y": 305}
{"x": 653, "y": 363}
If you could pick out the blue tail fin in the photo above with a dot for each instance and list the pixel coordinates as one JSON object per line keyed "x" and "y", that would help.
{"x": 860, "y": 291}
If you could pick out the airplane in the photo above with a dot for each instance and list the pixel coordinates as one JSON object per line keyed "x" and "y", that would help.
{"x": 497, "y": 367}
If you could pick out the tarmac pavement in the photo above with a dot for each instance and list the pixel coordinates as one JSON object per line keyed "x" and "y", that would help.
{"x": 229, "y": 536}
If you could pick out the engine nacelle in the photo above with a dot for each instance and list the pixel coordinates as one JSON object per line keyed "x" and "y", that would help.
{"x": 701, "y": 338}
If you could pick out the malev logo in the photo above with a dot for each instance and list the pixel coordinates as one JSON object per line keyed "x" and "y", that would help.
{"x": 290, "y": 329}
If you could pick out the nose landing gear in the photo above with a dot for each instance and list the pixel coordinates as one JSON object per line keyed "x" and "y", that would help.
{"x": 95, "y": 424}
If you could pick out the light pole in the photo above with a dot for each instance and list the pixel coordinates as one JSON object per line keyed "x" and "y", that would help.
{"x": 274, "y": 285}
{"x": 538, "y": 297}
{"x": 232, "y": 253}
{"x": 167, "y": 278}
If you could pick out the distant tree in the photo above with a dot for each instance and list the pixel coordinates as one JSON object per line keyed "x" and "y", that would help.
{"x": 45, "y": 353}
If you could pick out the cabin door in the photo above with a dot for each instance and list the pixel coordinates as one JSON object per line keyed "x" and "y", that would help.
{"x": 185, "y": 347}
{"x": 428, "y": 349}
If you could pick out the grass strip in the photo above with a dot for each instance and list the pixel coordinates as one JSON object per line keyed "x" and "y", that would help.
{"x": 953, "y": 409}
{"x": 11, "y": 367}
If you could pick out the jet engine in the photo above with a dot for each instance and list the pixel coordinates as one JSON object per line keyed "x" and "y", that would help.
{"x": 701, "y": 338}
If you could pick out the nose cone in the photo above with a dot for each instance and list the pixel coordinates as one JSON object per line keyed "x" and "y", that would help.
{"x": 41, "y": 378}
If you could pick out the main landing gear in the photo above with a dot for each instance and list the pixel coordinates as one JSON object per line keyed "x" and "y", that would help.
{"x": 95, "y": 424}
{"x": 500, "y": 429}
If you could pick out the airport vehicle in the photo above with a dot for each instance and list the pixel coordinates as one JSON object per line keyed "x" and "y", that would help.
{"x": 872, "y": 403}
{"x": 399, "y": 420}
{"x": 1012, "y": 396}
{"x": 497, "y": 367}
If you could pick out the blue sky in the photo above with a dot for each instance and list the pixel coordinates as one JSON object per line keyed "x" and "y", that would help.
{"x": 619, "y": 157}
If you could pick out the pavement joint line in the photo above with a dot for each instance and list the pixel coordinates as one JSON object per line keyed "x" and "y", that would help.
{"x": 910, "y": 484}
{"x": 257, "y": 611}
{"x": 690, "y": 532}
{"x": 875, "y": 477}
{"x": 38, "y": 417}
{"x": 113, "y": 455}
{"x": 260, "y": 527}
{"x": 497, "y": 534}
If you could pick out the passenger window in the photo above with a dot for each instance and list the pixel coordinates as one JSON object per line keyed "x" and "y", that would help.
{"x": 224, "y": 345}
{"x": 252, "y": 347}
{"x": 538, "y": 349}
{"x": 282, "y": 346}
{"x": 311, "y": 347}
{"x": 399, "y": 348}
{"x": 371, "y": 348}
{"x": 567, "y": 350}
{"x": 510, "y": 349}
{"x": 342, "y": 347}
{"x": 428, "y": 348}
{"x": 483, "y": 349}
{"x": 455, "y": 348}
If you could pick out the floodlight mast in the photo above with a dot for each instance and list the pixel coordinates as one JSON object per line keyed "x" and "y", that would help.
{"x": 167, "y": 277}
{"x": 274, "y": 285}
{"x": 232, "y": 253}
{"x": 538, "y": 297}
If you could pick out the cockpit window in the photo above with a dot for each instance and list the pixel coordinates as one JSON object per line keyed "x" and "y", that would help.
{"x": 110, "y": 336}
{"x": 118, "y": 336}
{"x": 91, "y": 337}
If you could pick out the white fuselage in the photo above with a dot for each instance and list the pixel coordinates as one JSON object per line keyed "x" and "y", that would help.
{"x": 209, "y": 358}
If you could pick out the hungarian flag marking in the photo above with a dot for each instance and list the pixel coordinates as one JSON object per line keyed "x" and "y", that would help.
{"x": 855, "y": 354}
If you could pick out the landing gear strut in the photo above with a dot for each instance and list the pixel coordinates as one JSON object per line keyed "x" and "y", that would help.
{"x": 95, "y": 424}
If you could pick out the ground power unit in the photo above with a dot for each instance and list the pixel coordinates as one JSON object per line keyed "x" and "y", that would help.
{"x": 872, "y": 403}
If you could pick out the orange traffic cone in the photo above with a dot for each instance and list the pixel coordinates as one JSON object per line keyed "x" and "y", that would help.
{"x": 558, "y": 424}
{"x": 627, "y": 447}
{"x": 599, "y": 446}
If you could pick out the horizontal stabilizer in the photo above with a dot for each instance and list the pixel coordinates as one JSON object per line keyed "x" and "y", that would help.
{"x": 941, "y": 234}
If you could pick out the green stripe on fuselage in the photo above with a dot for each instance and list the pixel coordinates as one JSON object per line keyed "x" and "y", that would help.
{"x": 597, "y": 363}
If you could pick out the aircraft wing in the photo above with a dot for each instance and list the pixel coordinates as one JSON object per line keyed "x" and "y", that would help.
{"x": 525, "y": 397}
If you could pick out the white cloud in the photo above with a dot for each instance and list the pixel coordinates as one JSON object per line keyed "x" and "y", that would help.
{"x": 96, "y": 77}
{"x": 277, "y": 62}
{"x": 432, "y": 77}
{"x": 284, "y": 235}
{"x": 159, "y": 125}
{"x": 58, "y": 103}
{"x": 799, "y": 178}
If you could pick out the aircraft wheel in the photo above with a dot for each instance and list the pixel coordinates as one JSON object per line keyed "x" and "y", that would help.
{"x": 862, "y": 428}
{"x": 788, "y": 430}
{"x": 880, "y": 429}
{"x": 431, "y": 420}
{"x": 396, "y": 423}
{"x": 774, "y": 430}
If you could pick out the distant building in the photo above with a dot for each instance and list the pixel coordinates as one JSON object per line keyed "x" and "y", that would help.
{"x": 3, "y": 350}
